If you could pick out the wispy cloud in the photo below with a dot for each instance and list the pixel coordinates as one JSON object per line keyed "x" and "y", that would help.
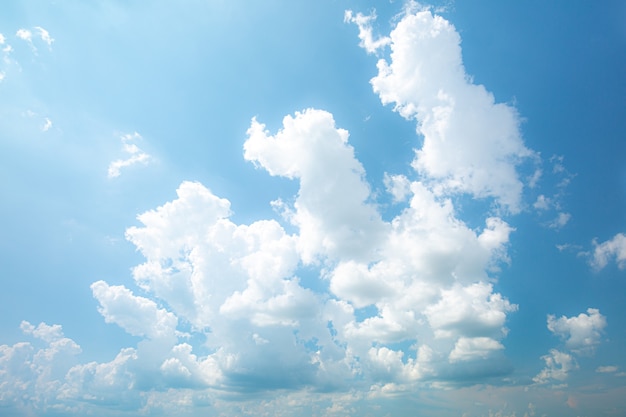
{"x": 39, "y": 33}
{"x": 136, "y": 155}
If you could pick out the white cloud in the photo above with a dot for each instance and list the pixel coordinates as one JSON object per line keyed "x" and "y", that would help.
{"x": 561, "y": 220}
{"x": 136, "y": 155}
{"x": 542, "y": 203}
{"x": 47, "y": 124}
{"x": 422, "y": 281}
{"x": 471, "y": 144}
{"x": 332, "y": 209}
{"x": 612, "y": 249}
{"x": 139, "y": 316}
{"x": 44, "y": 35}
{"x": 469, "y": 311}
{"x": 607, "y": 369}
{"x": 366, "y": 36}
{"x": 31, "y": 373}
{"x": 558, "y": 366}
{"x": 25, "y": 35}
{"x": 468, "y": 348}
{"x": 399, "y": 186}
{"x": 581, "y": 333}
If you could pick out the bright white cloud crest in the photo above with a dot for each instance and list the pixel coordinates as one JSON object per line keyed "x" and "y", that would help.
{"x": 581, "y": 333}
{"x": 471, "y": 144}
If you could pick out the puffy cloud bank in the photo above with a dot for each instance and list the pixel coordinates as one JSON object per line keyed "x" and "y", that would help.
{"x": 225, "y": 311}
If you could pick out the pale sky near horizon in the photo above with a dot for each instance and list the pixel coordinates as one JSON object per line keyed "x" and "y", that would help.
{"x": 313, "y": 208}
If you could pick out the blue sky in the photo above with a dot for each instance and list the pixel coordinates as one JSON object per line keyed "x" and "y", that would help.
{"x": 328, "y": 208}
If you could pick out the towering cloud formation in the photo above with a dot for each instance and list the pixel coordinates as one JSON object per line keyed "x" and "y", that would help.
{"x": 387, "y": 305}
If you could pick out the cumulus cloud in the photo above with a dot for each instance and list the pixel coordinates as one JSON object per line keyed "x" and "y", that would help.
{"x": 385, "y": 304}
{"x": 558, "y": 366}
{"x": 332, "y": 208}
{"x": 139, "y": 316}
{"x": 136, "y": 155}
{"x": 473, "y": 310}
{"x": 471, "y": 143}
{"x": 24, "y": 34}
{"x": 581, "y": 333}
{"x": 32, "y": 373}
{"x": 471, "y": 348}
{"x": 612, "y": 249}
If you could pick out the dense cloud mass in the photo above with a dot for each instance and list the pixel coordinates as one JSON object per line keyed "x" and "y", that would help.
{"x": 222, "y": 310}
{"x": 471, "y": 143}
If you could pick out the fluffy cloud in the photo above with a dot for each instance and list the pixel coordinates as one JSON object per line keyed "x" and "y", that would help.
{"x": 366, "y": 36}
{"x": 471, "y": 348}
{"x": 386, "y": 304}
{"x": 472, "y": 311}
{"x": 332, "y": 209}
{"x": 612, "y": 249}
{"x": 31, "y": 373}
{"x": 139, "y": 316}
{"x": 558, "y": 366}
{"x": 581, "y": 333}
{"x": 135, "y": 155}
{"x": 471, "y": 143}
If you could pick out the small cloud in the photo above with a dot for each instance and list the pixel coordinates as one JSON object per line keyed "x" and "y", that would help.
{"x": 136, "y": 155}
{"x": 568, "y": 247}
{"x": 44, "y": 35}
{"x": 364, "y": 23}
{"x": 561, "y": 220}
{"x": 25, "y": 35}
{"x": 47, "y": 124}
{"x": 542, "y": 203}
{"x": 606, "y": 369}
{"x": 534, "y": 179}
{"x": 558, "y": 366}
{"x": 582, "y": 333}
{"x": 398, "y": 186}
{"x": 613, "y": 249}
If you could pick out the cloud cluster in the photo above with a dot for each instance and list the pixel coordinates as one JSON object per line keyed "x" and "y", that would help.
{"x": 582, "y": 334}
{"x": 330, "y": 297}
{"x": 32, "y": 374}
